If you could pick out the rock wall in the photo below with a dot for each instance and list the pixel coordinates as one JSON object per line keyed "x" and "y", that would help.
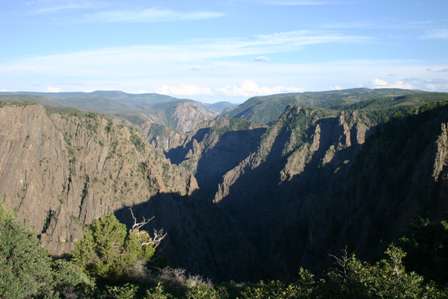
{"x": 60, "y": 171}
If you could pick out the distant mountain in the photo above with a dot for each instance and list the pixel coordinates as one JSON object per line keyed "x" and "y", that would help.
{"x": 178, "y": 116}
{"x": 136, "y": 108}
{"x": 267, "y": 109}
{"x": 220, "y": 107}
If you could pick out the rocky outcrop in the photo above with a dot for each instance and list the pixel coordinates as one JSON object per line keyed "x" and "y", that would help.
{"x": 300, "y": 137}
{"x": 162, "y": 137}
{"x": 441, "y": 160}
{"x": 335, "y": 181}
{"x": 319, "y": 181}
{"x": 61, "y": 170}
{"x": 174, "y": 125}
{"x": 214, "y": 150}
{"x": 189, "y": 116}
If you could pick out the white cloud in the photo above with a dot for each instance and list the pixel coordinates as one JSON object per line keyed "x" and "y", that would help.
{"x": 444, "y": 70}
{"x": 337, "y": 87}
{"x": 149, "y": 15}
{"x": 216, "y": 69}
{"x": 380, "y": 83}
{"x": 53, "y": 89}
{"x": 184, "y": 90}
{"x": 262, "y": 59}
{"x": 143, "y": 58}
{"x": 50, "y": 7}
{"x": 296, "y": 2}
{"x": 248, "y": 88}
{"x": 302, "y": 2}
{"x": 436, "y": 34}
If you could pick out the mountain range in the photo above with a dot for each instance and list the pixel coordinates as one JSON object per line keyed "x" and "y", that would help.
{"x": 245, "y": 192}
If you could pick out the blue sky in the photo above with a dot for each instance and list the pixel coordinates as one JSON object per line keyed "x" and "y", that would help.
{"x": 222, "y": 50}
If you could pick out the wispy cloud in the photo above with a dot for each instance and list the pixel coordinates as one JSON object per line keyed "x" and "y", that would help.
{"x": 149, "y": 15}
{"x": 214, "y": 68}
{"x": 302, "y": 2}
{"x": 436, "y": 34}
{"x": 444, "y": 70}
{"x": 192, "y": 52}
{"x": 249, "y": 88}
{"x": 381, "y": 83}
{"x": 262, "y": 59}
{"x": 51, "y": 7}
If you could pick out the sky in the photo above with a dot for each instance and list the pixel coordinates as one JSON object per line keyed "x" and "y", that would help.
{"x": 226, "y": 50}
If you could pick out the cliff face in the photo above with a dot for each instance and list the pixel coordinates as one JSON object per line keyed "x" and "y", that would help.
{"x": 189, "y": 116}
{"x": 59, "y": 171}
{"x": 162, "y": 137}
{"x": 174, "y": 125}
{"x": 324, "y": 182}
{"x": 313, "y": 183}
{"x": 166, "y": 121}
{"x": 299, "y": 140}
{"x": 212, "y": 151}
{"x": 266, "y": 200}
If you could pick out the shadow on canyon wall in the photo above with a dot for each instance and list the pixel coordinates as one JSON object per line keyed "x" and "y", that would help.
{"x": 266, "y": 228}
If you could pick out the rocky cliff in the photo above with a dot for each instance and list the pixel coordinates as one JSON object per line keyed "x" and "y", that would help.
{"x": 60, "y": 170}
{"x": 176, "y": 124}
{"x": 267, "y": 198}
{"x": 326, "y": 182}
{"x": 315, "y": 181}
{"x": 165, "y": 120}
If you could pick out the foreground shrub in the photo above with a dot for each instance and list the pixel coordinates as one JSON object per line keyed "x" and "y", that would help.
{"x": 352, "y": 278}
{"x": 109, "y": 251}
{"x": 25, "y": 268}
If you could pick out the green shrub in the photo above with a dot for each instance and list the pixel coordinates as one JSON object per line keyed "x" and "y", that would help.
{"x": 109, "y": 251}
{"x": 158, "y": 292}
{"x": 205, "y": 291}
{"x": 427, "y": 248}
{"x": 352, "y": 278}
{"x": 126, "y": 291}
{"x": 25, "y": 268}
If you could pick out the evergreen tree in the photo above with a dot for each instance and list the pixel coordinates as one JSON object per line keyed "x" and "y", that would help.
{"x": 25, "y": 268}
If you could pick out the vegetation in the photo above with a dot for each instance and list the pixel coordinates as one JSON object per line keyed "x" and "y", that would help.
{"x": 111, "y": 262}
{"x": 427, "y": 247}
{"x": 22, "y": 261}
{"x": 379, "y": 103}
{"x": 137, "y": 141}
{"x": 109, "y": 251}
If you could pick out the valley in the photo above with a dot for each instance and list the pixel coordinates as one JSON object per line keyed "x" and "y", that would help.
{"x": 246, "y": 194}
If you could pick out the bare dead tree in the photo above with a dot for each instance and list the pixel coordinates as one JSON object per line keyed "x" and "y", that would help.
{"x": 138, "y": 225}
{"x": 158, "y": 235}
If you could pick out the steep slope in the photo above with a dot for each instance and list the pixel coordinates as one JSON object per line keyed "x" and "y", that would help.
{"x": 333, "y": 181}
{"x": 220, "y": 107}
{"x": 176, "y": 122}
{"x": 60, "y": 170}
{"x": 214, "y": 150}
{"x": 271, "y": 198}
{"x": 317, "y": 180}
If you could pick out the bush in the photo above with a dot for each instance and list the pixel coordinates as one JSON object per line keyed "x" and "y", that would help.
{"x": 352, "y": 278}
{"x": 427, "y": 248}
{"x": 109, "y": 251}
{"x": 158, "y": 292}
{"x": 25, "y": 266}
